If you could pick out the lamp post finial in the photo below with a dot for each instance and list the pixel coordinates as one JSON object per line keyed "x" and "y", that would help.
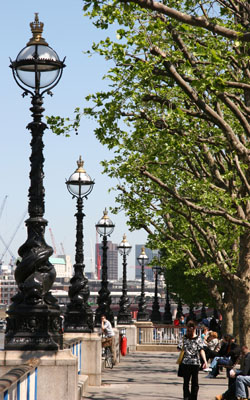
{"x": 37, "y": 30}
{"x": 80, "y": 164}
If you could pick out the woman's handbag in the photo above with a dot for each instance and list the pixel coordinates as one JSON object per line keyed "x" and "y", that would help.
{"x": 180, "y": 358}
{"x": 179, "y": 361}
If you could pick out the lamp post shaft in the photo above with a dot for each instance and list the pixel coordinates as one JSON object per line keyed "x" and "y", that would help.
{"x": 179, "y": 309}
{"x": 104, "y": 299}
{"x": 167, "y": 317}
{"x": 34, "y": 321}
{"x": 105, "y": 260}
{"x": 156, "y": 315}
{"x": 36, "y": 190}
{"x": 142, "y": 315}
{"x": 124, "y": 314}
{"x": 124, "y": 275}
{"x": 79, "y": 258}
{"x": 79, "y": 316}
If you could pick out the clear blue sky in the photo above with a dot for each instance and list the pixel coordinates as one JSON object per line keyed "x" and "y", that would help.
{"x": 69, "y": 33}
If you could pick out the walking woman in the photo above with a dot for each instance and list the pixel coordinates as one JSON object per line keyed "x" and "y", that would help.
{"x": 193, "y": 349}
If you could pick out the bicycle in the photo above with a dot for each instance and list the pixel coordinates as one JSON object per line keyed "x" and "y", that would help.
{"x": 108, "y": 356}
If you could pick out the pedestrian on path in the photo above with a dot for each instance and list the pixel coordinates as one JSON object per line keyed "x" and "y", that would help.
{"x": 193, "y": 349}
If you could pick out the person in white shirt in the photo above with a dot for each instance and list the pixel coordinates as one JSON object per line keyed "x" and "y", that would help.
{"x": 107, "y": 330}
{"x": 106, "y": 327}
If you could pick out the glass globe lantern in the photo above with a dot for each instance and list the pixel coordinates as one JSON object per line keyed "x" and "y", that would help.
{"x": 79, "y": 183}
{"x": 37, "y": 65}
{"x": 143, "y": 258}
{"x": 105, "y": 226}
{"x": 124, "y": 247}
{"x": 157, "y": 269}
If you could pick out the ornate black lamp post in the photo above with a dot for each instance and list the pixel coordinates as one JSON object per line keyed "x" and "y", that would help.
{"x": 79, "y": 316}
{"x": 179, "y": 309}
{"x": 34, "y": 321}
{"x": 156, "y": 315}
{"x": 167, "y": 316}
{"x": 124, "y": 314}
{"x": 191, "y": 315}
{"x": 142, "y": 315}
{"x": 104, "y": 227}
{"x": 203, "y": 312}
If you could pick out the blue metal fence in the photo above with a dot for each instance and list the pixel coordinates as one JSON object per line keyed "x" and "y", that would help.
{"x": 23, "y": 386}
{"x": 76, "y": 349}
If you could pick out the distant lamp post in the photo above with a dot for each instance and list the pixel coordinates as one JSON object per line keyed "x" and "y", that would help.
{"x": 104, "y": 227}
{"x": 124, "y": 314}
{"x": 79, "y": 316}
{"x": 203, "y": 312}
{"x": 156, "y": 315}
{"x": 179, "y": 309}
{"x": 191, "y": 315}
{"x": 142, "y": 315}
{"x": 34, "y": 321}
{"x": 167, "y": 316}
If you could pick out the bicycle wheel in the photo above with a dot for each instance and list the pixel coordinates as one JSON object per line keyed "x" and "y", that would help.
{"x": 108, "y": 358}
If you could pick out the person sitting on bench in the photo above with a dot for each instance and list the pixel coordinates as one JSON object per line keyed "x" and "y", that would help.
{"x": 227, "y": 355}
{"x": 242, "y": 379}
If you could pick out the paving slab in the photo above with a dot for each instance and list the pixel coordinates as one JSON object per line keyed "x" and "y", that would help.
{"x": 143, "y": 376}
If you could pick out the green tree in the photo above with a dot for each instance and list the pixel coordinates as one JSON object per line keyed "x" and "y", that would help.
{"x": 190, "y": 289}
{"x": 177, "y": 114}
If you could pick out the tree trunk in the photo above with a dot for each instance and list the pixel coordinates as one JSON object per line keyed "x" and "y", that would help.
{"x": 227, "y": 318}
{"x": 243, "y": 316}
{"x": 236, "y": 328}
{"x": 242, "y": 293}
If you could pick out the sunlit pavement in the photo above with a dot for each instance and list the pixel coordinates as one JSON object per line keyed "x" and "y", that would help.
{"x": 151, "y": 376}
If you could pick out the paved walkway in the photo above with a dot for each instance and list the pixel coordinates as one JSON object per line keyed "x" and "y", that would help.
{"x": 142, "y": 376}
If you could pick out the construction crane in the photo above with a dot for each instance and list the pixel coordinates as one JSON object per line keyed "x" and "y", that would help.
{"x": 8, "y": 249}
{"x": 2, "y": 206}
{"x": 1, "y": 212}
{"x": 53, "y": 240}
{"x": 62, "y": 247}
{"x": 7, "y": 246}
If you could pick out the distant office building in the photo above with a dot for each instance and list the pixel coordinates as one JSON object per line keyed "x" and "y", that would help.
{"x": 149, "y": 275}
{"x": 112, "y": 259}
{"x": 8, "y": 288}
{"x": 63, "y": 267}
{"x": 90, "y": 275}
{"x": 8, "y": 285}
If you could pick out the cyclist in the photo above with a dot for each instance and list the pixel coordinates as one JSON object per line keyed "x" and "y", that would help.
{"x": 107, "y": 330}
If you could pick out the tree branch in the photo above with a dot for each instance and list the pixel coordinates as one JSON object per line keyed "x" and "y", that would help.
{"x": 200, "y": 22}
{"x": 202, "y": 210}
{"x": 192, "y": 94}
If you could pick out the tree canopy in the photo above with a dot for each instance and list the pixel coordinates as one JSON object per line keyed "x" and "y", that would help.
{"x": 177, "y": 114}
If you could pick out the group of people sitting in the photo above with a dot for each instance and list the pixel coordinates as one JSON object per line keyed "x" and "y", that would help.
{"x": 227, "y": 353}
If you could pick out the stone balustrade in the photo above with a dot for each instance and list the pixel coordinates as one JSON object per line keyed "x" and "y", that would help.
{"x": 63, "y": 374}
{"x": 20, "y": 383}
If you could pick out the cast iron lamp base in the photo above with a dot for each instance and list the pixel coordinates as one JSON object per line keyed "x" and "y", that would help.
{"x": 124, "y": 318}
{"x": 142, "y": 316}
{"x": 78, "y": 320}
{"x": 156, "y": 316}
{"x": 33, "y": 327}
